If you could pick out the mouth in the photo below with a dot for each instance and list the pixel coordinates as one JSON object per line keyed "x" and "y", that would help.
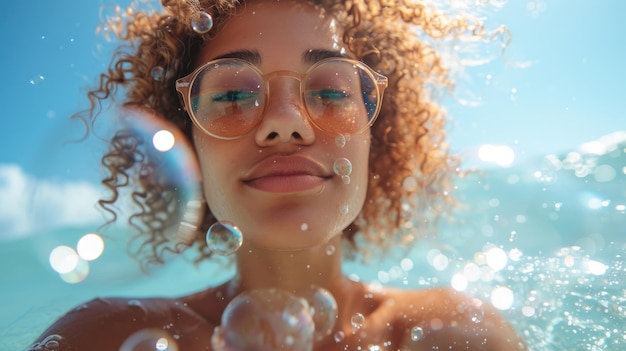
{"x": 287, "y": 174}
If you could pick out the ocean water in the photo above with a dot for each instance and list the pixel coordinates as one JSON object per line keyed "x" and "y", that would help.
{"x": 543, "y": 241}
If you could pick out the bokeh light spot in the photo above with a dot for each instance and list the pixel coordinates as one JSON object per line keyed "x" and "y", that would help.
{"x": 163, "y": 140}
{"x": 63, "y": 259}
{"x": 496, "y": 258}
{"x": 90, "y": 247}
{"x": 502, "y": 298}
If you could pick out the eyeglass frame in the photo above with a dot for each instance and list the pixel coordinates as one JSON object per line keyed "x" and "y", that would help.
{"x": 184, "y": 85}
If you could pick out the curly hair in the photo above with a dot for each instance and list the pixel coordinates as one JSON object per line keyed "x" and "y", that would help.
{"x": 410, "y": 167}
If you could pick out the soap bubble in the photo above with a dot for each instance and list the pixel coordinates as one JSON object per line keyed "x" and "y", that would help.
{"x": 417, "y": 333}
{"x": 340, "y": 140}
{"x": 152, "y": 339}
{"x": 157, "y": 73}
{"x": 323, "y": 310}
{"x": 224, "y": 238}
{"x": 265, "y": 320}
{"x": 168, "y": 162}
{"x": 201, "y": 22}
{"x": 339, "y": 336}
{"x": 357, "y": 320}
{"x": 342, "y": 167}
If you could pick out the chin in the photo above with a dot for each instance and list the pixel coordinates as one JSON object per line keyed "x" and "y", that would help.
{"x": 298, "y": 237}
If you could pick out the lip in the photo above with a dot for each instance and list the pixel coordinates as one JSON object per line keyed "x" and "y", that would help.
{"x": 287, "y": 174}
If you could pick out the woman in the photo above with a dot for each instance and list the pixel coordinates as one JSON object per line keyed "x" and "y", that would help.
{"x": 297, "y": 149}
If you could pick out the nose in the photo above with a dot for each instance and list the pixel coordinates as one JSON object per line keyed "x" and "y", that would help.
{"x": 284, "y": 118}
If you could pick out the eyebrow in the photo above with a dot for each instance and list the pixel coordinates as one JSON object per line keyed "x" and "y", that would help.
{"x": 251, "y": 56}
{"x": 310, "y": 56}
{"x": 314, "y": 55}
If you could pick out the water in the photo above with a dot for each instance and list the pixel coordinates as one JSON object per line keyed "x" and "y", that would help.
{"x": 547, "y": 251}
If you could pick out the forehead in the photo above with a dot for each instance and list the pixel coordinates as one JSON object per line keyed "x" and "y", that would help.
{"x": 276, "y": 29}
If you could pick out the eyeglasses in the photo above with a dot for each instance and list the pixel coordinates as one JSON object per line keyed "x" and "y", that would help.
{"x": 226, "y": 97}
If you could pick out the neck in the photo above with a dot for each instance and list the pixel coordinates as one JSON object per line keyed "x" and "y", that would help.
{"x": 292, "y": 271}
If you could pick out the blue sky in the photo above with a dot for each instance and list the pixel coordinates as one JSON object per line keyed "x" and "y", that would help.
{"x": 564, "y": 65}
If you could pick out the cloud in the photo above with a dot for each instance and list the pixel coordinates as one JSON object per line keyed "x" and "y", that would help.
{"x": 28, "y": 204}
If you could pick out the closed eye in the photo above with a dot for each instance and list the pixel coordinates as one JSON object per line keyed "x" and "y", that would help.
{"x": 329, "y": 94}
{"x": 232, "y": 96}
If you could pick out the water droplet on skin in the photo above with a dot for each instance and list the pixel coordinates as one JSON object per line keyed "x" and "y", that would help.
{"x": 81, "y": 307}
{"x": 344, "y": 209}
{"x": 330, "y": 250}
{"x": 52, "y": 345}
{"x": 357, "y": 320}
{"x": 157, "y": 73}
{"x": 224, "y": 238}
{"x": 417, "y": 333}
{"x": 201, "y": 22}
{"x": 49, "y": 343}
{"x": 304, "y": 227}
{"x": 342, "y": 167}
{"x": 477, "y": 315}
{"x": 339, "y": 336}
{"x": 345, "y": 179}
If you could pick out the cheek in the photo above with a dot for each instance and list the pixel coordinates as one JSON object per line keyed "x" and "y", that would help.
{"x": 213, "y": 167}
{"x": 356, "y": 188}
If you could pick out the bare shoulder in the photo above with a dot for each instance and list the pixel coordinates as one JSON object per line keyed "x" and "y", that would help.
{"x": 105, "y": 324}
{"x": 450, "y": 320}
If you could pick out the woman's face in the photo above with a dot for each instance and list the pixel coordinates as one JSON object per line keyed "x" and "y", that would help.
{"x": 277, "y": 183}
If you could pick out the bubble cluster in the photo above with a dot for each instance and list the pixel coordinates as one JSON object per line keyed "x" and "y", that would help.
{"x": 343, "y": 168}
{"x": 224, "y": 238}
{"x": 267, "y": 319}
{"x": 201, "y": 22}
